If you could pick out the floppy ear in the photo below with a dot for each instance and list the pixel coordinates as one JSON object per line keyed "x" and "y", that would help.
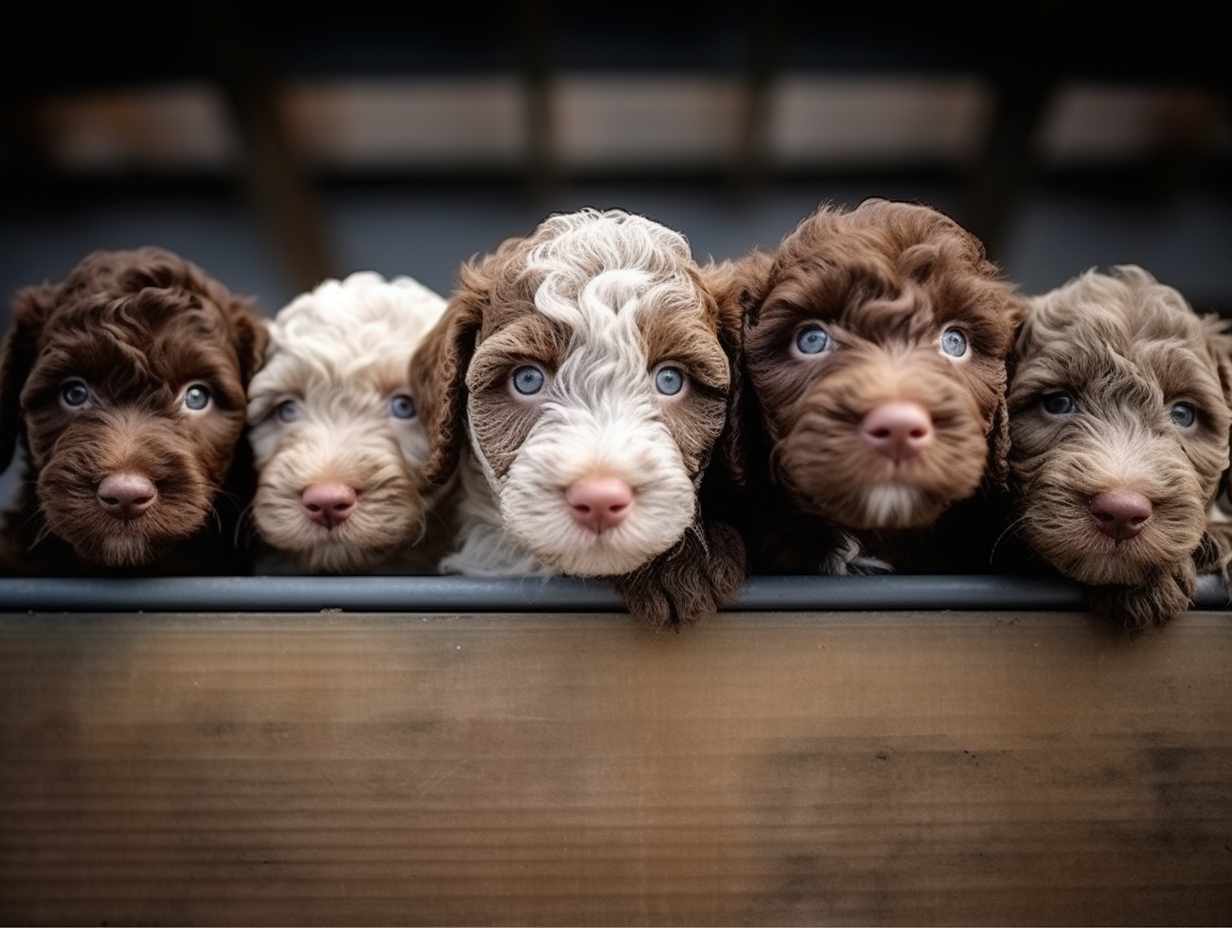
{"x": 31, "y": 307}
{"x": 437, "y": 374}
{"x": 997, "y": 470}
{"x": 251, "y": 334}
{"x": 738, "y": 288}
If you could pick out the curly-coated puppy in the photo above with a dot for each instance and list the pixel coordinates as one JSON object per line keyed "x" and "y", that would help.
{"x": 1119, "y": 422}
{"x": 875, "y": 348}
{"x": 338, "y": 442}
{"x": 125, "y": 384}
{"x": 585, "y": 369}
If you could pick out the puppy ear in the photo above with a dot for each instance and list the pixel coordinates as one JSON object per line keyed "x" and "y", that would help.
{"x": 997, "y": 470}
{"x": 437, "y": 374}
{"x": 31, "y": 307}
{"x": 251, "y": 334}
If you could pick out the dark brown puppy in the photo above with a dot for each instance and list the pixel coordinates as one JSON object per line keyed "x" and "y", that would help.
{"x": 1119, "y": 412}
{"x": 125, "y": 384}
{"x": 875, "y": 349}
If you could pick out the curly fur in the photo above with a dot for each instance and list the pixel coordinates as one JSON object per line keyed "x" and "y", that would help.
{"x": 137, "y": 327}
{"x": 885, "y": 280}
{"x": 1126, "y": 348}
{"x": 339, "y": 355}
{"x": 598, "y": 300}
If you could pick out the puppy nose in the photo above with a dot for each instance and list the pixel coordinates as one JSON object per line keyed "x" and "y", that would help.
{"x": 126, "y": 495}
{"x": 1120, "y": 514}
{"x": 328, "y": 504}
{"x": 899, "y": 430}
{"x": 599, "y": 503}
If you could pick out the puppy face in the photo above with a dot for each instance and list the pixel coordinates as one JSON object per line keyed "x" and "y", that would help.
{"x": 1119, "y": 421}
{"x": 127, "y": 381}
{"x": 337, "y": 439}
{"x": 596, "y": 389}
{"x": 876, "y": 349}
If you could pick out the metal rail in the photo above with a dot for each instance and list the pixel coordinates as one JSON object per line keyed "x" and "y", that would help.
{"x": 459, "y": 594}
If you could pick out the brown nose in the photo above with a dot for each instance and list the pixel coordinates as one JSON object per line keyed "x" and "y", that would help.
{"x": 126, "y": 495}
{"x": 899, "y": 430}
{"x": 599, "y": 503}
{"x": 1120, "y": 514}
{"x": 328, "y": 504}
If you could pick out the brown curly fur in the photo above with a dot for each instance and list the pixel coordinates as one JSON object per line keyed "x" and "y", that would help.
{"x": 137, "y": 327}
{"x": 495, "y": 301}
{"x": 884, "y": 279}
{"x": 1126, "y": 348}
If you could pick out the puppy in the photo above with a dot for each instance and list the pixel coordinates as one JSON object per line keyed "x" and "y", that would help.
{"x": 581, "y": 376}
{"x": 1119, "y": 420}
{"x": 125, "y": 384}
{"x": 337, "y": 439}
{"x": 875, "y": 351}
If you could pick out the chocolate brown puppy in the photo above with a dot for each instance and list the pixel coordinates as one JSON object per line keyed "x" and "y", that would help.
{"x": 125, "y": 385}
{"x": 875, "y": 354}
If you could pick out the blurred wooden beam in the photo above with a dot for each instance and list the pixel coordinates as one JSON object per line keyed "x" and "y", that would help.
{"x": 276, "y": 179}
{"x": 1007, "y": 161}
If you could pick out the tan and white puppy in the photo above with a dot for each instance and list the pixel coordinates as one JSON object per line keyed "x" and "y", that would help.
{"x": 337, "y": 439}
{"x": 581, "y": 379}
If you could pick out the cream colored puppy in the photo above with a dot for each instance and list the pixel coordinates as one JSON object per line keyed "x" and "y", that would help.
{"x": 336, "y": 436}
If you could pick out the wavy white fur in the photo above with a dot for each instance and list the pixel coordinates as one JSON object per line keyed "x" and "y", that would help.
{"x": 595, "y": 273}
{"x": 340, "y": 353}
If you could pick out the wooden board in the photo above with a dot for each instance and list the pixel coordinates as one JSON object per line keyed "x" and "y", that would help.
{"x": 773, "y": 768}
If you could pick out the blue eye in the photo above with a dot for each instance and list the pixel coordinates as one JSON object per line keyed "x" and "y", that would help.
{"x": 402, "y": 407}
{"x": 669, "y": 380}
{"x": 528, "y": 380}
{"x": 197, "y": 397}
{"x": 287, "y": 411}
{"x": 1059, "y": 403}
{"x": 954, "y": 343}
{"x": 1183, "y": 415}
{"x": 812, "y": 339}
{"x": 74, "y": 393}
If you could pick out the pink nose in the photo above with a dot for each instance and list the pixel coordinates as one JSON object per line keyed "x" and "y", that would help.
{"x": 599, "y": 503}
{"x": 126, "y": 495}
{"x": 328, "y": 504}
{"x": 899, "y": 430}
{"x": 1121, "y": 514}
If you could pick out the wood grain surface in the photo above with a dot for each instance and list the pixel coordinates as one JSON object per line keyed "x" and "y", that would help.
{"x": 832, "y": 768}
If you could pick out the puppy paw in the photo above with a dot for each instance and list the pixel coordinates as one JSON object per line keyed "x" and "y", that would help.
{"x": 1156, "y": 603}
{"x": 688, "y": 583}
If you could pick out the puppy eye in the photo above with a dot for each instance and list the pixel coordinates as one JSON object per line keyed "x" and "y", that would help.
{"x": 528, "y": 379}
{"x": 1183, "y": 415}
{"x": 402, "y": 407}
{"x": 287, "y": 411}
{"x": 954, "y": 343}
{"x": 1059, "y": 403}
{"x": 669, "y": 380}
{"x": 812, "y": 339}
{"x": 197, "y": 397}
{"x": 74, "y": 393}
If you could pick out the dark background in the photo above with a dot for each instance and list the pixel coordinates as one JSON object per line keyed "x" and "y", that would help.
{"x": 279, "y": 146}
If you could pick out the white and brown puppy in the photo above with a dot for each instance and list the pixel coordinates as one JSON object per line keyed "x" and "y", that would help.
{"x": 581, "y": 379}
{"x": 338, "y": 443}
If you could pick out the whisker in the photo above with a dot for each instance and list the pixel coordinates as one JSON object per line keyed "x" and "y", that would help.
{"x": 996, "y": 544}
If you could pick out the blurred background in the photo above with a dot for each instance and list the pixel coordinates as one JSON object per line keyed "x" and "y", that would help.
{"x": 276, "y": 147}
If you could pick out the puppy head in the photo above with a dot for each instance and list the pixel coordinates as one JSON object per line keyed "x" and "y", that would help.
{"x": 876, "y": 347}
{"x": 589, "y": 364}
{"x": 1119, "y": 422}
{"x": 127, "y": 383}
{"x": 337, "y": 439}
